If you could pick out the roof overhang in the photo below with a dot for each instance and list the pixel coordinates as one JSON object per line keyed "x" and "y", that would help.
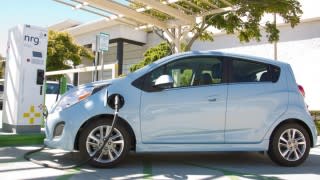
{"x": 86, "y": 33}
{"x": 66, "y": 24}
{"x": 136, "y": 13}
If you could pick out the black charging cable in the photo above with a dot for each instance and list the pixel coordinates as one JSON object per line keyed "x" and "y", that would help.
{"x": 117, "y": 105}
{"x": 58, "y": 91}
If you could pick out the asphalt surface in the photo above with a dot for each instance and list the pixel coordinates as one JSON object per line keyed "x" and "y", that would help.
{"x": 236, "y": 165}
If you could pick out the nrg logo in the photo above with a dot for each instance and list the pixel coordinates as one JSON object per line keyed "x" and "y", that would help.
{"x": 34, "y": 40}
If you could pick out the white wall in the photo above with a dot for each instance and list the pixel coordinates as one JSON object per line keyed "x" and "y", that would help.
{"x": 117, "y": 31}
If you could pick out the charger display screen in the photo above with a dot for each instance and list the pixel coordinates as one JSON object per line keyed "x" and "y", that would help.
{"x": 36, "y": 54}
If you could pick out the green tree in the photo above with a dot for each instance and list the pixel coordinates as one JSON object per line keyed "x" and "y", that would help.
{"x": 62, "y": 48}
{"x": 243, "y": 19}
{"x": 153, "y": 54}
{"x": 2, "y": 66}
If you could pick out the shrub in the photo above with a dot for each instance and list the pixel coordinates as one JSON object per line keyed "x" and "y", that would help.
{"x": 152, "y": 54}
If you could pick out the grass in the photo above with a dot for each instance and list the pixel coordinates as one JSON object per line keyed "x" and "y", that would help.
{"x": 21, "y": 139}
{"x": 316, "y": 117}
{"x": 318, "y": 127}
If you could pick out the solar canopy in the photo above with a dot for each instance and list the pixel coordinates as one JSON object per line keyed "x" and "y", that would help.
{"x": 175, "y": 18}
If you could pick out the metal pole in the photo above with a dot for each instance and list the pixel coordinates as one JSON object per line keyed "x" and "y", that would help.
{"x": 120, "y": 45}
{"x": 275, "y": 44}
{"x": 95, "y": 66}
{"x": 95, "y": 61}
{"x": 102, "y": 64}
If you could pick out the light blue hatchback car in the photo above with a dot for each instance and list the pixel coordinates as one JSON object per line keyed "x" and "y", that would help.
{"x": 189, "y": 102}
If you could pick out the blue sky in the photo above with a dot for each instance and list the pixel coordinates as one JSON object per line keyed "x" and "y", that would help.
{"x": 35, "y": 12}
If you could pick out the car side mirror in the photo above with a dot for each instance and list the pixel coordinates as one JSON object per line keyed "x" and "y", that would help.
{"x": 164, "y": 82}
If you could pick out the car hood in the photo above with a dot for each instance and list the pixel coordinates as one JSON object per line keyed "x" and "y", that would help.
{"x": 100, "y": 83}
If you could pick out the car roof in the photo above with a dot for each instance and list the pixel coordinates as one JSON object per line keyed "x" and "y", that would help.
{"x": 220, "y": 53}
{"x": 203, "y": 53}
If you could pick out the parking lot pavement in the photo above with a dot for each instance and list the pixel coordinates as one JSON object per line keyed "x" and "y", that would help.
{"x": 237, "y": 165}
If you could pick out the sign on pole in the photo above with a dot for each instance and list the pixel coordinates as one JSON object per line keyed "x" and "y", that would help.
{"x": 103, "y": 41}
{"x": 102, "y": 45}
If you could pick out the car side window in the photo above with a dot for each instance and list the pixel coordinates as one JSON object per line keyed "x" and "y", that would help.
{"x": 69, "y": 87}
{"x": 182, "y": 72}
{"x": 249, "y": 71}
{"x": 193, "y": 71}
{"x": 275, "y": 73}
{"x": 151, "y": 77}
{"x": 52, "y": 88}
{"x": 209, "y": 71}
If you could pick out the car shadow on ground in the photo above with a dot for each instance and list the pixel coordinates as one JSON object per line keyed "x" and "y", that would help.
{"x": 173, "y": 165}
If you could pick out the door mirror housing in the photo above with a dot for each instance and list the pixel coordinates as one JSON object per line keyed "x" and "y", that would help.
{"x": 164, "y": 82}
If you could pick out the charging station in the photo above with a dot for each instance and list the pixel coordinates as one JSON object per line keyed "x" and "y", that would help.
{"x": 24, "y": 79}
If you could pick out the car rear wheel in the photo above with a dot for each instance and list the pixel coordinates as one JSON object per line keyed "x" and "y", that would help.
{"x": 116, "y": 148}
{"x": 289, "y": 145}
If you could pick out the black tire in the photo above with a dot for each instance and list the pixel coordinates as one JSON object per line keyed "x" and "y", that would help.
{"x": 275, "y": 148}
{"x": 118, "y": 129}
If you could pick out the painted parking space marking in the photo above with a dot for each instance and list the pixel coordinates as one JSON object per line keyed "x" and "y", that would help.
{"x": 147, "y": 170}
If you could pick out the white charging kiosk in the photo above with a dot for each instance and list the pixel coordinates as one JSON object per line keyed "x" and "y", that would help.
{"x": 24, "y": 79}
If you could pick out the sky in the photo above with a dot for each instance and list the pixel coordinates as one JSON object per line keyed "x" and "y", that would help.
{"x": 35, "y": 12}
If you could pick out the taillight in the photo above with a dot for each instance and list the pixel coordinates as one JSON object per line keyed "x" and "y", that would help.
{"x": 301, "y": 90}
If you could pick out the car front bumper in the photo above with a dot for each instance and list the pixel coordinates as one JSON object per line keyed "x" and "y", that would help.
{"x": 72, "y": 118}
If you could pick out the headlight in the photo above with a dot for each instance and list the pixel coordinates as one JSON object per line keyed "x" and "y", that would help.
{"x": 76, "y": 96}
{"x": 73, "y": 97}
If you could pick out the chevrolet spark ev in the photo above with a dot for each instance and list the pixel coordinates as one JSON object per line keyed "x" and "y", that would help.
{"x": 189, "y": 102}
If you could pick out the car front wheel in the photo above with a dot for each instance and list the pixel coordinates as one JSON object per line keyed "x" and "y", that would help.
{"x": 116, "y": 148}
{"x": 289, "y": 145}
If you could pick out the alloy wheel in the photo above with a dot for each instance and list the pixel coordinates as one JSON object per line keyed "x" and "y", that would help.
{"x": 292, "y": 144}
{"x": 112, "y": 149}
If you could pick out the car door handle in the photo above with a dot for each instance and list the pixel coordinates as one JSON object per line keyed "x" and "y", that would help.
{"x": 212, "y": 98}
